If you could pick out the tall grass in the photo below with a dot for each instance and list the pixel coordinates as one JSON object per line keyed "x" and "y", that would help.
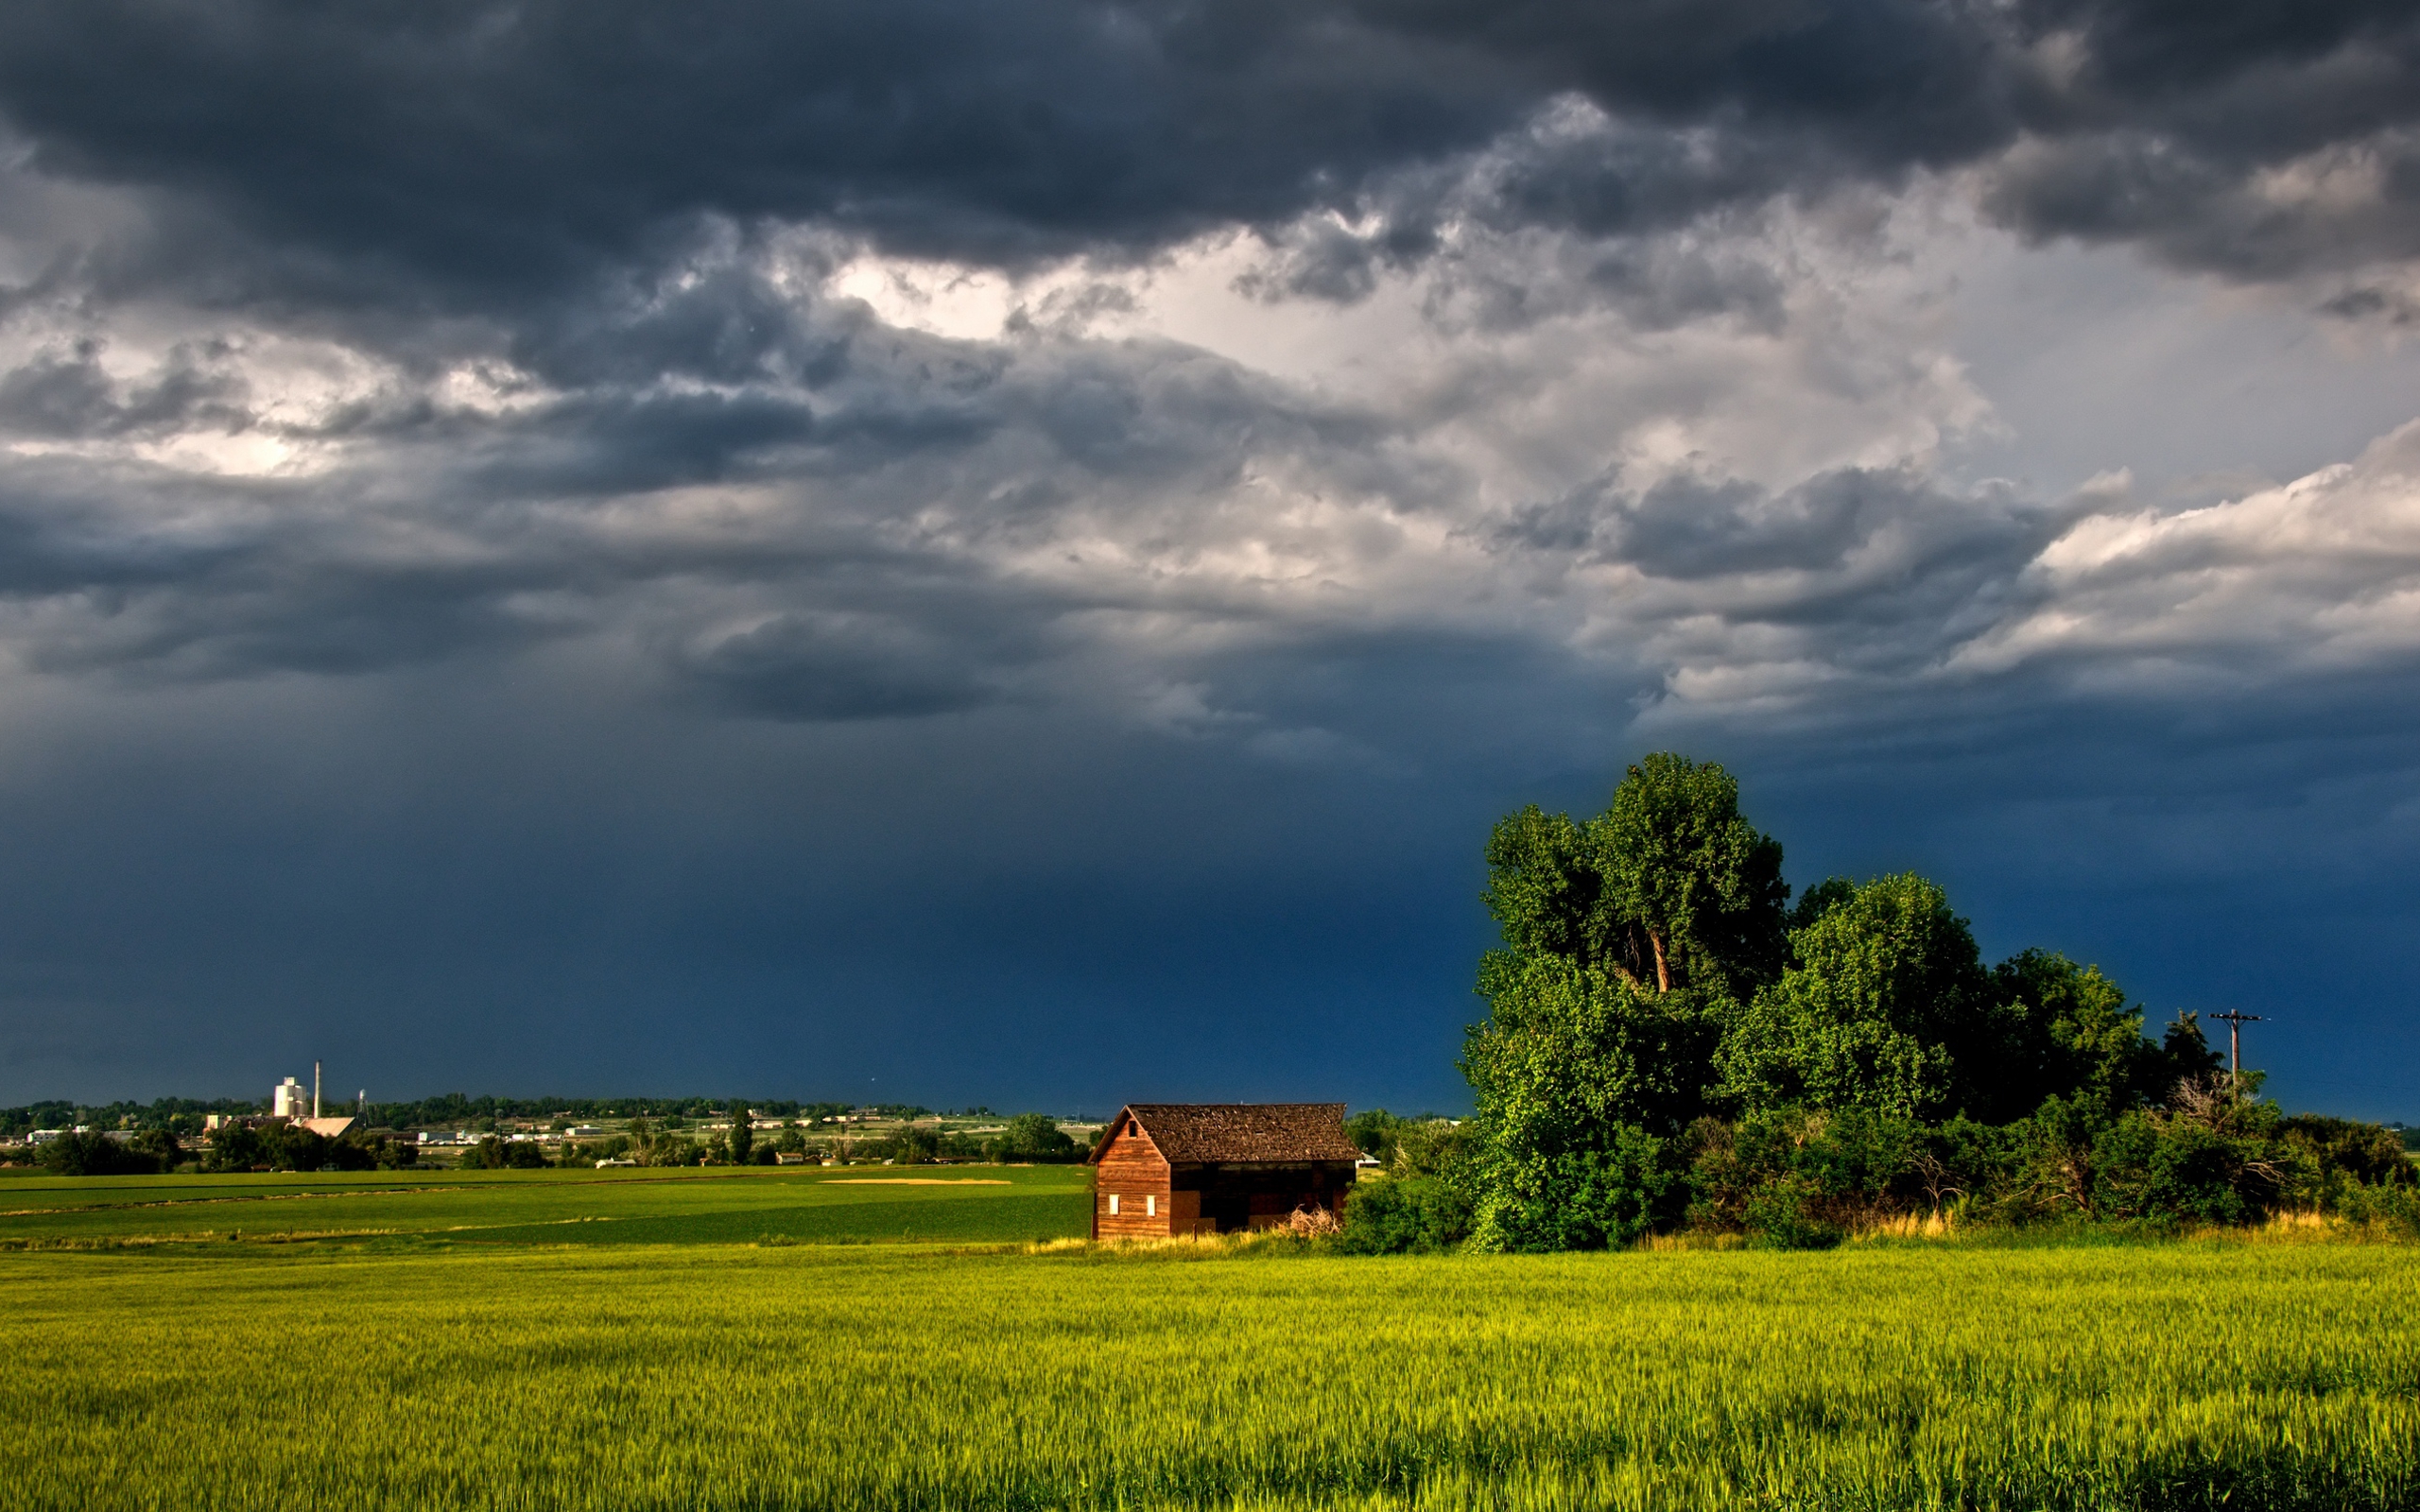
{"x": 1924, "y": 1376}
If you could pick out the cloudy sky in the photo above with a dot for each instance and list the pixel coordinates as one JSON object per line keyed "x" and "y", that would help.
{"x": 1010, "y": 552}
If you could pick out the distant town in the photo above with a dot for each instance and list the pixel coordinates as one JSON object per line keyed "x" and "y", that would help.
{"x": 299, "y": 1122}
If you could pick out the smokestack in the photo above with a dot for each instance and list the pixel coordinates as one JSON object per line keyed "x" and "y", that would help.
{"x": 315, "y": 1088}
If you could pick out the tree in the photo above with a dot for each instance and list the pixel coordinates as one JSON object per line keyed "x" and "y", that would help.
{"x": 1578, "y": 1076}
{"x": 236, "y": 1147}
{"x": 2068, "y": 1033}
{"x": 1885, "y": 1006}
{"x": 98, "y": 1154}
{"x": 1404, "y": 1215}
{"x": 2185, "y": 1057}
{"x": 1669, "y": 888}
{"x": 1694, "y": 889}
{"x": 743, "y": 1133}
{"x": 1034, "y": 1137}
{"x": 1625, "y": 940}
{"x": 1373, "y": 1131}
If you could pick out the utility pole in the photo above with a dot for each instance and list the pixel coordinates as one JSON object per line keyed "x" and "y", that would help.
{"x": 2235, "y": 1022}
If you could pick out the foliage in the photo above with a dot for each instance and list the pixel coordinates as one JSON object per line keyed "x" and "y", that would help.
{"x": 2338, "y": 1152}
{"x": 1670, "y": 887}
{"x": 1400, "y": 1215}
{"x": 74, "y": 1154}
{"x": 1579, "y": 1079}
{"x": 1374, "y": 1131}
{"x": 1799, "y": 1179}
{"x": 493, "y": 1154}
{"x": 1034, "y": 1137}
{"x": 1862, "y": 1066}
{"x": 742, "y": 1139}
{"x": 1885, "y": 1005}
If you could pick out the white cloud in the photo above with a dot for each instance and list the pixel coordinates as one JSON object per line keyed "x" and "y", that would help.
{"x": 2321, "y": 572}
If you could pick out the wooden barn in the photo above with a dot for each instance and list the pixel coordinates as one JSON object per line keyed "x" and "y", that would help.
{"x": 1165, "y": 1169}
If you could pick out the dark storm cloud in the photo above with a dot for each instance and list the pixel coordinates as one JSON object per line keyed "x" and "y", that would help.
{"x": 454, "y": 516}
{"x": 67, "y": 395}
{"x": 478, "y": 155}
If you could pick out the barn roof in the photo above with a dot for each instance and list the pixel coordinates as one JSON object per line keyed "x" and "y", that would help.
{"x": 1231, "y": 1133}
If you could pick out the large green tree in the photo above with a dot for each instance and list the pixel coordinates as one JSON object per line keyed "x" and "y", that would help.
{"x": 1625, "y": 938}
{"x": 1670, "y": 888}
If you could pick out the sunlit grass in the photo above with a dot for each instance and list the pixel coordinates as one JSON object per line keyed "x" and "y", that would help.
{"x": 553, "y": 1207}
{"x": 633, "y": 1377}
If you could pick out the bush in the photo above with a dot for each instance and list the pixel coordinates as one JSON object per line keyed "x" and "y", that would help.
{"x": 1373, "y": 1133}
{"x": 2338, "y": 1148}
{"x": 1776, "y": 1215}
{"x": 1589, "y": 1198}
{"x": 1799, "y": 1179}
{"x": 360, "y": 1150}
{"x": 1035, "y": 1137}
{"x": 493, "y": 1154}
{"x": 1404, "y": 1215}
{"x": 100, "y": 1155}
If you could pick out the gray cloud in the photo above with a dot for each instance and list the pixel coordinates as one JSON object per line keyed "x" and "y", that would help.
{"x": 841, "y": 427}
{"x": 477, "y": 156}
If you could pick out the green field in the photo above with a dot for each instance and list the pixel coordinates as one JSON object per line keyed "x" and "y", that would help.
{"x": 519, "y": 1362}
{"x": 446, "y": 1208}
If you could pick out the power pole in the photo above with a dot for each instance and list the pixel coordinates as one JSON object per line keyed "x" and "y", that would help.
{"x": 2235, "y": 1022}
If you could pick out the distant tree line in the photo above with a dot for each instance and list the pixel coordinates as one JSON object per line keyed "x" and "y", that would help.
{"x": 175, "y": 1115}
{"x": 455, "y": 1110}
{"x": 235, "y": 1147}
{"x": 1670, "y": 1043}
{"x": 1028, "y": 1137}
{"x": 184, "y": 1116}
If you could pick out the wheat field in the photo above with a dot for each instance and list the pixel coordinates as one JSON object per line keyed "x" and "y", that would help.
{"x": 802, "y": 1376}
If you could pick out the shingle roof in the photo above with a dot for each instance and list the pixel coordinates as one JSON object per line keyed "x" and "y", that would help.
{"x": 1199, "y": 1133}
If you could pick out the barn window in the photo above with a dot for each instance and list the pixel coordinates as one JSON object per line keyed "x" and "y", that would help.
{"x": 1112, "y": 1204}
{"x": 1150, "y": 1207}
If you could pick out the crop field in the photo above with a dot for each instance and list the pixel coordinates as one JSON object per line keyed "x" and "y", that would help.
{"x": 413, "y": 1372}
{"x": 442, "y": 1208}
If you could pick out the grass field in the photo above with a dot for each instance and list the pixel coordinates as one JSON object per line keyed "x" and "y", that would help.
{"x": 437, "y": 1370}
{"x": 708, "y": 1206}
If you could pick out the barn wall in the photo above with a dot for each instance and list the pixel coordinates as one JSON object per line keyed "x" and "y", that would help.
{"x": 1256, "y": 1195}
{"x": 1132, "y": 1168}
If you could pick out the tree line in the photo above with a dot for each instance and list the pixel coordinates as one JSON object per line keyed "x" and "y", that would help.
{"x": 183, "y": 1116}
{"x": 1027, "y": 1139}
{"x": 1672, "y": 1042}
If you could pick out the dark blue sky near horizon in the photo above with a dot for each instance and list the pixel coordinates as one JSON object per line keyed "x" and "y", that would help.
{"x": 1012, "y": 554}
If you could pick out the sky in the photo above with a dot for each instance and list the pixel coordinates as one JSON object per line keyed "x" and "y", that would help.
{"x": 1011, "y": 552}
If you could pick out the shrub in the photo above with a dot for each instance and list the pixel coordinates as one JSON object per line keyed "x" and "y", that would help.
{"x": 1776, "y": 1216}
{"x": 100, "y": 1155}
{"x": 1035, "y": 1137}
{"x": 1402, "y": 1216}
{"x": 1589, "y": 1198}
